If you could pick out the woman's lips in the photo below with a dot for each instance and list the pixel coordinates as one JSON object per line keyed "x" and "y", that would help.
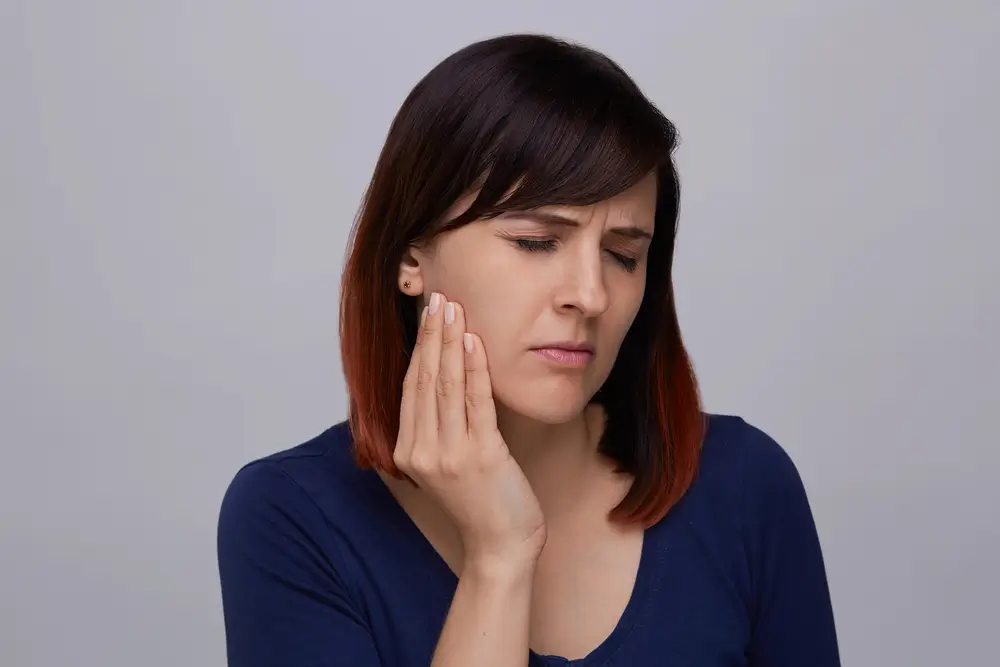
{"x": 565, "y": 356}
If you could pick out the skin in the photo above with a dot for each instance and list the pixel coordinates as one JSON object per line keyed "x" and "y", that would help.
{"x": 521, "y": 282}
{"x": 515, "y": 299}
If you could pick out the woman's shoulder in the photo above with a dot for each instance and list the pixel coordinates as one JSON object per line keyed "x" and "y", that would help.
{"x": 731, "y": 441}
{"x": 322, "y": 454}
{"x": 746, "y": 464}
{"x": 316, "y": 477}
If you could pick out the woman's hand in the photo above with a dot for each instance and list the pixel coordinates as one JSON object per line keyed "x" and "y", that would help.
{"x": 449, "y": 443}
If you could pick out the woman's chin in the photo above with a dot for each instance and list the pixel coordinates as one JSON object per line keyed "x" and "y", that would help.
{"x": 546, "y": 408}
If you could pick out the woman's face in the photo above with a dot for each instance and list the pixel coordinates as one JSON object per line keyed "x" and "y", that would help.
{"x": 539, "y": 288}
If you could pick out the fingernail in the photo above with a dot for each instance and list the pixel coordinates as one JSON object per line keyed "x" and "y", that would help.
{"x": 423, "y": 317}
{"x": 435, "y": 302}
{"x": 467, "y": 340}
{"x": 449, "y": 312}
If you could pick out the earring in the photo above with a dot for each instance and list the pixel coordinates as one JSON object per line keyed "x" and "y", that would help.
{"x": 406, "y": 284}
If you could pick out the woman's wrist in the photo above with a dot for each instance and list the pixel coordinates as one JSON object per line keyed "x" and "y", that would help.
{"x": 501, "y": 570}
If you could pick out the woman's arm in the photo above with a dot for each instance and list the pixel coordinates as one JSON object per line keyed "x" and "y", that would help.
{"x": 450, "y": 445}
{"x": 793, "y": 622}
{"x": 284, "y": 600}
{"x": 487, "y": 623}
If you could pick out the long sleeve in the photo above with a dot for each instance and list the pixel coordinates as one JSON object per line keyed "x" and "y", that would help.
{"x": 793, "y": 623}
{"x": 285, "y": 602}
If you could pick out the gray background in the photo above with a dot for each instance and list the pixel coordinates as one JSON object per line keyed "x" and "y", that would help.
{"x": 177, "y": 181}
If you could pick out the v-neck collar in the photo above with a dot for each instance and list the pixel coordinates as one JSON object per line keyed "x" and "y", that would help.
{"x": 645, "y": 582}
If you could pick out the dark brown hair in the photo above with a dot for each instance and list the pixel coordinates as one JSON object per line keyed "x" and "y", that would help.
{"x": 528, "y": 121}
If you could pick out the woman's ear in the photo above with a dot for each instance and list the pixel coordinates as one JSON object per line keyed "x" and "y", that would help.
{"x": 411, "y": 279}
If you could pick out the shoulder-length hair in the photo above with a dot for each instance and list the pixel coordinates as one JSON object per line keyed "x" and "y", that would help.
{"x": 527, "y": 121}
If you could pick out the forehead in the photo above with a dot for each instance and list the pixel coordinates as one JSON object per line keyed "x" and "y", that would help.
{"x": 636, "y": 206}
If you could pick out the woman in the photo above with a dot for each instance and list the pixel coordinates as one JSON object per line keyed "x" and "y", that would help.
{"x": 526, "y": 476}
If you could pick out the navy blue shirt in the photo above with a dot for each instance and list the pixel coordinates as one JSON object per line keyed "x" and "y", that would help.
{"x": 320, "y": 566}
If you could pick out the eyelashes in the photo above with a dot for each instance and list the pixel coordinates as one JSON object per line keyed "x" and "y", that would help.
{"x": 536, "y": 245}
{"x": 548, "y": 245}
{"x": 628, "y": 263}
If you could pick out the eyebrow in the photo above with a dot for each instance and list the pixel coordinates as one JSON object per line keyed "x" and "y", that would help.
{"x": 547, "y": 218}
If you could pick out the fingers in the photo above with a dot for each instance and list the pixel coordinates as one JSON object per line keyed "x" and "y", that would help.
{"x": 428, "y": 366}
{"x": 408, "y": 402}
{"x": 451, "y": 376}
{"x": 480, "y": 408}
{"x": 447, "y": 394}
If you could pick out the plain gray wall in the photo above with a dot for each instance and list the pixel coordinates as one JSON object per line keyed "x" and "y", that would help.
{"x": 177, "y": 181}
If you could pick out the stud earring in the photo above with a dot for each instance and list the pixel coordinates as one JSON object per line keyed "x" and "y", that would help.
{"x": 406, "y": 284}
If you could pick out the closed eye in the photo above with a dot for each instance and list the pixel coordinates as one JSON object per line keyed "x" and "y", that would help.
{"x": 548, "y": 245}
{"x": 628, "y": 263}
{"x": 536, "y": 245}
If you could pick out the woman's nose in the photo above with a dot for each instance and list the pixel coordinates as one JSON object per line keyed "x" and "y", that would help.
{"x": 583, "y": 286}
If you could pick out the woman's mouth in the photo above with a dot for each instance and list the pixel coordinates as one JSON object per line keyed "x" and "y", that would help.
{"x": 566, "y": 354}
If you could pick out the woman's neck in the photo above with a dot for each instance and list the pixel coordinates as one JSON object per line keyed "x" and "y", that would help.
{"x": 561, "y": 461}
